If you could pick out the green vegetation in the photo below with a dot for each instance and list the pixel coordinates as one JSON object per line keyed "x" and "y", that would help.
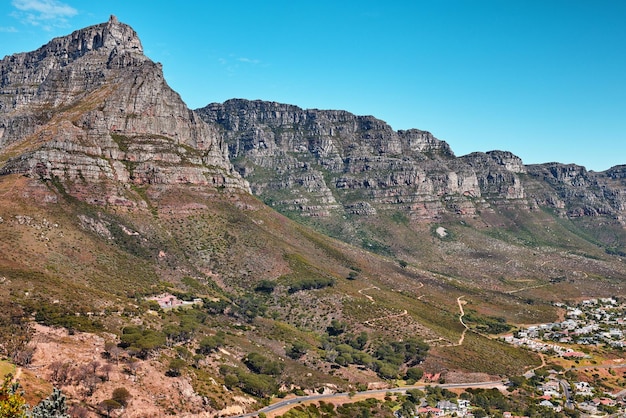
{"x": 485, "y": 324}
{"x": 297, "y": 350}
{"x": 368, "y": 408}
{"x": 210, "y": 344}
{"x": 262, "y": 365}
{"x": 265, "y": 286}
{"x": 310, "y": 283}
{"x": 255, "y": 384}
{"x": 282, "y": 304}
{"x": 122, "y": 141}
{"x": 142, "y": 342}
{"x": 12, "y": 403}
{"x": 58, "y": 316}
{"x": 385, "y": 359}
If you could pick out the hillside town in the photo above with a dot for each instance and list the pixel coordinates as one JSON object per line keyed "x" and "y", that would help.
{"x": 592, "y": 322}
{"x": 589, "y": 324}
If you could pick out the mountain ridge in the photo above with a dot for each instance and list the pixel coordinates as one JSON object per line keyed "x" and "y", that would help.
{"x": 338, "y": 164}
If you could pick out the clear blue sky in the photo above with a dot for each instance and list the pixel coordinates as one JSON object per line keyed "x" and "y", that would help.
{"x": 545, "y": 79}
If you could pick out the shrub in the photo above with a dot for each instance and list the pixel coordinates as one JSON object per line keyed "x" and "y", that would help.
{"x": 175, "y": 366}
{"x": 296, "y": 350}
{"x": 262, "y": 365}
{"x": 209, "y": 344}
{"x": 309, "y": 283}
{"x": 265, "y": 286}
{"x": 414, "y": 373}
{"x": 121, "y": 395}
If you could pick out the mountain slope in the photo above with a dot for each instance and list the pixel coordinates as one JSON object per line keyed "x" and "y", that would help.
{"x": 355, "y": 178}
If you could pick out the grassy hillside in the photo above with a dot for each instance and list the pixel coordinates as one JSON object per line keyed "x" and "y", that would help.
{"x": 321, "y": 313}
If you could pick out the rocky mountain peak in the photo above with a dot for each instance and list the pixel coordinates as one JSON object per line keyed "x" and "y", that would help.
{"x": 90, "y": 106}
{"x": 109, "y": 35}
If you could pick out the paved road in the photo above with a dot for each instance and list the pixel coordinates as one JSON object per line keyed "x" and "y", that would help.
{"x": 567, "y": 394}
{"x": 301, "y": 399}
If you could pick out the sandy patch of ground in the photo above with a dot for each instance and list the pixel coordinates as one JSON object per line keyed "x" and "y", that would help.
{"x": 153, "y": 394}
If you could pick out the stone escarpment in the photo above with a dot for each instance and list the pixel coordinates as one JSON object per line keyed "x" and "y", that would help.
{"x": 90, "y": 108}
{"x": 319, "y": 162}
{"x": 324, "y": 162}
{"x": 577, "y": 192}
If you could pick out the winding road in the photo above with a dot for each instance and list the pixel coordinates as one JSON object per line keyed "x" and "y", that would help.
{"x": 371, "y": 299}
{"x": 461, "y": 315}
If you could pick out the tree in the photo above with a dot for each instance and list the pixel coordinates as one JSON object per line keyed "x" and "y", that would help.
{"x": 387, "y": 371}
{"x": 108, "y": 406}
{"x": 121, "y": 395}
{"x": 175, "y": 366}
{"x": 249, "y": 307}
{"x": 106, "y": 369}
{"x": 23, "y": 356}
{"x": 53, "y": 406}
{"x": 91, "y": 381}
{"x": 414, "y": 373}
{"x": 262, "y": 365}
{"x": 211, "y": 343}
{"x": 133, "y": 366}
{"x": 60, "y": 372}
{"x": 93, "y": 365}
{"x": 296, "y": 350}
{"x": 415, "y": 395}
{"x": 336, "y": 327}
{"x": 12, "y": 404}
{"x": 265, "y": 286}
{"x": 407, "y": 410}
{"x": 142, "y": 342}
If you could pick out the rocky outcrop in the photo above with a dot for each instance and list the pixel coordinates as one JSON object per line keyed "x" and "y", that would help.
{"x": 324, "y": 162}
{"x": 334, "y": 161}
{"x": 90, "y": 107}
{"x": 578, "y": 192}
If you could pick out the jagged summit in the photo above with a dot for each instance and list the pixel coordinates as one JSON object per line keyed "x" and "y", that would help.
{"x": 24, "y": 76}
{"x": 109, "y": 35}
{"x": 338, "y": 166}
{"x": 90, "y": 106}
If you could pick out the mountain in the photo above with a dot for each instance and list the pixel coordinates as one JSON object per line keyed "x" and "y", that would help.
{"x": 307, "y": 250}
{"x": 349, "y": 175}
{"x": 340, "y": 162}
{"x": 90, "y": 107}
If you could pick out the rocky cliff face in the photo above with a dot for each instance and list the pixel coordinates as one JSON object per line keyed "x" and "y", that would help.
{"x": 324, "y": 163}
{"x": 318, "y": 162}
{"x": 579, "y": 193}
{"x": 90, "y": 107}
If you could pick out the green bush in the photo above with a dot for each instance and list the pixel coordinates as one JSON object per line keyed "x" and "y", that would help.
{"x": 262, "y": 365}
{"x": 296, "y": 350}
{"x": 210, "y": 344}
{"x": 309, "y": 283}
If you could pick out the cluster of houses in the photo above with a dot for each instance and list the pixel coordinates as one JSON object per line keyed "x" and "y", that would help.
{"x": 521, "y": 339}
{"x": 583, "y": 396}
{"x": 590, "y": 322}
{"x": 458, "y": 408}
